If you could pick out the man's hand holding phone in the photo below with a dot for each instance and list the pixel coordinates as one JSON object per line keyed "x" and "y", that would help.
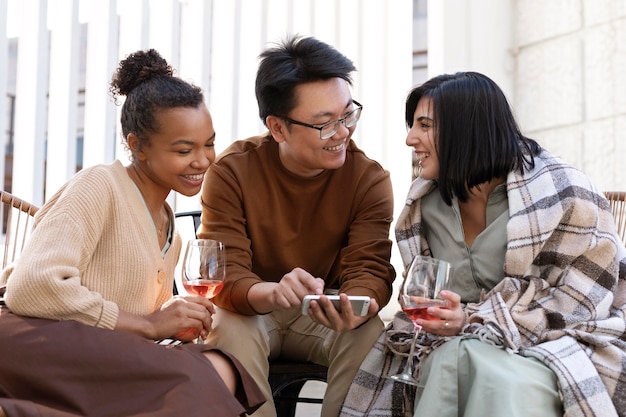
{"x": 360, "y": 304}
{"x": 339, "y": 312}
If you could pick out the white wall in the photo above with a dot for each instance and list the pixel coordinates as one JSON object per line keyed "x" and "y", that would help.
{"x": 571, "y": 82}
{"x": 215, "y": 44}
{"x": 472, "y": 35}
{"x": 561, "y": 64}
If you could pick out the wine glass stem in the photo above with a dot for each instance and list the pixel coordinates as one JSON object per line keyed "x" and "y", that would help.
{"x": 408, "y": 368}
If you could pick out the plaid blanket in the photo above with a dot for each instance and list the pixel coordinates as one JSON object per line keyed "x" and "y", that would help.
{"x": 562, "y": 301}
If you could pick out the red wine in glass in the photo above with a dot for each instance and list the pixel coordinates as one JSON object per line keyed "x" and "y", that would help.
{"x": 424, "y": 279}
{"x": 203, "y": 287}
{"x": 418, "y": 313}
{"x": 204, "y": 268}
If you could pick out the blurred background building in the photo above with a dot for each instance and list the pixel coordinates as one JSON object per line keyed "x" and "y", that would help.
{"x": 562, "y": 64}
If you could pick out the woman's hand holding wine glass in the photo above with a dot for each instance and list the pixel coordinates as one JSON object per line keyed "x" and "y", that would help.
{"x": 204, "y": 268}
{"x": 182, "y": 317}
{"x": 425, "y": 278}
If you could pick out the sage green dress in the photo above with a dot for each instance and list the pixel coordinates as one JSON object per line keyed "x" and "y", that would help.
{"x": 465, "y": 376}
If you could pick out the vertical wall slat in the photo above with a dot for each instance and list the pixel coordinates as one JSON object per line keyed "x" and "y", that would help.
{"x": 195, "y": 56}
{"x": 133, "y": 36}
{"x": 164, "y": 29}
{"x": 245, "y": 109}
{"x": 102, "y": 58}
{"x": 279, "y": 19}
{"x": 196, "y": 43}
{"x": 31, "y": 103}
{"x": 63, "y": 95}
{"x": 164, "y": 36}
{"x": 194, "y": 48}
{"x": 4, "y": 108}
{"x": 221, "y": 100}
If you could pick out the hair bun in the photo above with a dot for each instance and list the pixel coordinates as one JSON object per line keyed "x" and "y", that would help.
{"x": 137, "y": 68}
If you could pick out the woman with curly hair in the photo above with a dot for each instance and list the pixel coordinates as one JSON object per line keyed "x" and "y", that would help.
{"x": 92, "y": 290}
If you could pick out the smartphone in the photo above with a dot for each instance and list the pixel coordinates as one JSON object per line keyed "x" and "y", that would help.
{"x": 360, "y": 303}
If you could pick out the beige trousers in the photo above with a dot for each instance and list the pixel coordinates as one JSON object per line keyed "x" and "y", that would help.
{"x": 287, "y": 334}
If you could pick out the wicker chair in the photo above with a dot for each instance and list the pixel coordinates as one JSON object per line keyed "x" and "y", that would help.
{"x": 287, "y": 378}
{"x": 17, "y": 216}
{"x": 617, "y": 200}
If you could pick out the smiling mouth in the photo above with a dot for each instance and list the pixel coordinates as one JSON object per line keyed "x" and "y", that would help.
{"x": 196, "y": 177}
{"x": 334, "y": 148}
{"x": 421, "y": 156}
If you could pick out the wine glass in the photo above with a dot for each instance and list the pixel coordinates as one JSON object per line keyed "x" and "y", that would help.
{"x": 425, "y": 278}
{"x": 204, "y": 268}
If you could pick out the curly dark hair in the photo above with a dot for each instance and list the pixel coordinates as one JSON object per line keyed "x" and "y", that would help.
{"x": 149, "y": 84}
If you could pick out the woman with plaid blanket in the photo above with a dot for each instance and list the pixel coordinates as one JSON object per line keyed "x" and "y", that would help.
{"x": 535, "y": 316}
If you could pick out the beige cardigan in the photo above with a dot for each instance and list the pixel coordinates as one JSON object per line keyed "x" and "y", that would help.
{"x": 93, "y": 251}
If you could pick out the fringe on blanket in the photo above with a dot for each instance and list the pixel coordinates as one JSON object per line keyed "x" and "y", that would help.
{"x": 372, "y": 394}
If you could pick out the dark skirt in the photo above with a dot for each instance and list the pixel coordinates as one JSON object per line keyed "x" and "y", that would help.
{"x": 67, "y": 369}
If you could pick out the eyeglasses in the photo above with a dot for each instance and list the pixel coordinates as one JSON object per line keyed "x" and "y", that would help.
{"x": 328, "y": 129}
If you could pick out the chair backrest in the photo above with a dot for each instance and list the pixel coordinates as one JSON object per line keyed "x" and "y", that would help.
{"x": 193, "y": 215}
{"x": 617, "y": 201}
{"x": 17, "y": 219}
{"x": 187, "y": 224}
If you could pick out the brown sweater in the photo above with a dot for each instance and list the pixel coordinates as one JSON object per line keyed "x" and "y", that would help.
{"x": 334, "y": 225}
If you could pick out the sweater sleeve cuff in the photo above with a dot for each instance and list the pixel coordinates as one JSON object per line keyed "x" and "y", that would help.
{"x": 364, "y": 291}
{"x": 110, "y": 313}
{"x": 239, "y": 296}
